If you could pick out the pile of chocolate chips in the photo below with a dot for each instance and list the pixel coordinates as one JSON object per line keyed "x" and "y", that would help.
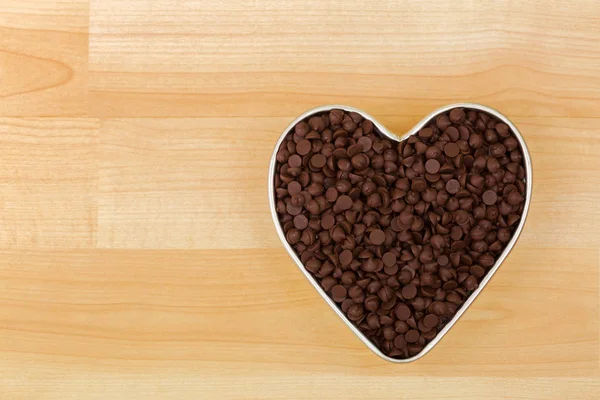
{"x": 399, "y": 234}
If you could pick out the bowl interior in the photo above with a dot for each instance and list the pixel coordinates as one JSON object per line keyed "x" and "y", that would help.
{"x": 392, "y": 136}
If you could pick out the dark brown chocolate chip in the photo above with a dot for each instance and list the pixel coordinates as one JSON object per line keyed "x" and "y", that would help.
{"x": 471, "y": 283}
{"x": 338, "y": 293}
{"x": 493, "y": 165}
{"x": 452, "y": 186}
{"x": 294, "y": 188}
{"x": 402, "y": 312}
{"x": 344, "y": 202}
{"x": 461, "y": 217}
{"x": 301, "y": 129}
{"x": 386, "y": 293}
{"x": 365, "y": 142}
{"x": 489, "y": 197}
{"x": 443, "y": 260}
{"x": 345, "y": 257}
{"x": 327, "y": 221}
{"x": 389, "y": 259}
{"x": 457, "y": 116}
{"x": 355, "y": 312}
{"x": 300, "y": 222}
{"x": 293, "y": 236}
{"x": 373, "y": 265}
{"x": 400, "y": 342}
{"x": 426, "y": 133}
{"x": 453, "y": 133}
{"x": 317, "y": 160}
{"x": 511, "y": 143}
{"x": 430, "y": 320}
{"x": 377, "y": 237}
{"x": 477, "y": 270}
{"x": 502, "y": 129}
{"x": 303, "y": 147}
{"x": 336, "y": 117}
{"x": 451, "y": 149}
{"x": 514, "y": 198}
{"x": 419, "y": 185}
{"x": 432, "y": 166}
{"x": 372, "y": 303}
{"x": 486, "y": 260}
{"x": 346, "y": 305}
{"x": 497, "y": 150}
{"x": 409, "y": 291}
{"x": 316, "y": 123}
{"x": 412, "y": 336}
{"x": 295, "y": 161}
{"x": 442, "y": 122}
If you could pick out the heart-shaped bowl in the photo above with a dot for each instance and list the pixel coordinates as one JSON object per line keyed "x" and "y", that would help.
{"x": 398, "y": 138}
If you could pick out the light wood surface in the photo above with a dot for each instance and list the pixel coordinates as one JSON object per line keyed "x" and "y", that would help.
{"x": 137, "y": 254}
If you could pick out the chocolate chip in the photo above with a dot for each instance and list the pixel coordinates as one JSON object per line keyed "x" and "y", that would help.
{"x": 451, "y": 149}
{"x": 345, "y": 257}
{"x": 430, "y": 320}
{"x": 372, "y": 303}
{"x": 432, "y": 166}
{"x": 408, "y": 292}
{"x": 453, "y": 133}
{"x": 515, "y": 198}
{"x": 327, "y": 221}
{"x": 402, "y": 312}
{"x": 336, "y": 117}
{"x": 442, "y": 122}
{"x": 344, "y": 202}
{"x": 489, "y": 197}
{"x": 360, "y": 162}
{"x": 493, "y": 165}
{"x": 400, "y": 342}
{"x": 418, "y": 185}
{"x": 300, "y": 222}
{"x": 303, "y": 147}
{"x": 365, "y": 142}
{"x": 355, "y": 312}
{"x": 389, "y": 259}
{"x": 346, "y": 305}
{"x": 317, "y": 161}
{"x": 412, "y": 336}
{"x": 338, "y": 293}
{"x": 425, "y": 133}
{"x": 452, "y": 186}
{"x": 497, "y": 150}
{"x": 457, "y": 116}
{"x": 294, "y": 188}
{"x": 386, "y": 293}
{"x": 399, "y": 234}
{"x": 502, "y": 129}
{"x": 377, "y": 237}
{"x": 316, "y": 123}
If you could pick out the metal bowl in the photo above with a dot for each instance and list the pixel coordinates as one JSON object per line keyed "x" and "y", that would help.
{"x": 385, "y": 132}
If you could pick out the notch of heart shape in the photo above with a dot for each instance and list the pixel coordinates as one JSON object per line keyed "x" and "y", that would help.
{"x": 400, "y": 234}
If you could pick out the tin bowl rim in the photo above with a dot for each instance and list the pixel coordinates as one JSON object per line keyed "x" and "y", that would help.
{"x": 386, "y": 132}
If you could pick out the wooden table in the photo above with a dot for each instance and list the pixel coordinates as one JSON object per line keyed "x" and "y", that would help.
{"x": 138, "y": 258}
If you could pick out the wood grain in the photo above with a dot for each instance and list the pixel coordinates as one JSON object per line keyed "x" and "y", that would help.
{"x": 255, "y": 314}
{"x": 43, "y": 58}
{"x": 205, "y": 178}
{"x": 222, "y": 58}
{"x": 137, "y": 253}
{"x": 48, "y": 179}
